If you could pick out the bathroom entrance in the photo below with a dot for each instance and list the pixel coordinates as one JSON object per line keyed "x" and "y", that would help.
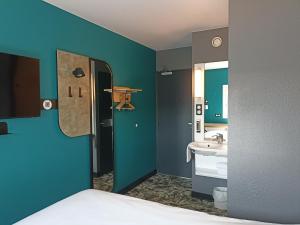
{"x": 102, "y": 126}
{"x": 210, "y": 127}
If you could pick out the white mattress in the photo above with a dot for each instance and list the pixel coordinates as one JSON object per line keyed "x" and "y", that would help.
{"x": 93, "y": 207}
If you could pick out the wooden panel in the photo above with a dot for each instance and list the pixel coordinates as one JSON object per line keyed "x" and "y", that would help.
{"x": 73, "y": 94}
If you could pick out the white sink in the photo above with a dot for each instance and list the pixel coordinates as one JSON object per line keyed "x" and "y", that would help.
{"x": 209, "y": 148}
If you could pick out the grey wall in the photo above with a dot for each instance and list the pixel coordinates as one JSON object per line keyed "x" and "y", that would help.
{"x": 200, "y": 52}
{"x": 204, "y": 52}
{"x": 264, "y": 99}
{"x": 174, "y": 59}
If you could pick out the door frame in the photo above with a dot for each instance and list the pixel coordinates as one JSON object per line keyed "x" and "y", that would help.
{"x": 93, "y": 118}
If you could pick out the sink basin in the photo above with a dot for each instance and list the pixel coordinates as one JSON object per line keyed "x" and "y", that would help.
{"x": 209, "y": 148}
{"x": 207, "y": 145}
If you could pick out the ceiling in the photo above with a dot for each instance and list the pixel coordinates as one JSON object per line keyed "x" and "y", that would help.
{"x": 158, "y": 24}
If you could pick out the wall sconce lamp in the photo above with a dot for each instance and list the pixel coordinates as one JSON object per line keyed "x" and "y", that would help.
{"x": 78, "y": 72}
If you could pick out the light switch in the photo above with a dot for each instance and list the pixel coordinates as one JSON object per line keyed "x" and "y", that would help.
{"x": 198, "y": 109}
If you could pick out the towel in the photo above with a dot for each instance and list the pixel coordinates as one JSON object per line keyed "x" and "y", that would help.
{"x": 188, "y": 153}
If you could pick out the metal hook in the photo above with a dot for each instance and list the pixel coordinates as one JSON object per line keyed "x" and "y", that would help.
{"x": 70, "y": 92}
{"x": 80, "y": 95}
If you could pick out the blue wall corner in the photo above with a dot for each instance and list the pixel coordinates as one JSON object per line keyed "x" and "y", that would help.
{"x": 214, "y": 81}
{"x": 38, "y": 164}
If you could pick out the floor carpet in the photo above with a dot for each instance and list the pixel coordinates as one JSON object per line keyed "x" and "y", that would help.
{"x": 165, "y": 189}
{"x": 104, "y": 183}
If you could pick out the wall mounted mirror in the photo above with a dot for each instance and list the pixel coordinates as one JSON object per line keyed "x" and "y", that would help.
{"x": 211, "y": 95}
{"x": 216, "y": 92}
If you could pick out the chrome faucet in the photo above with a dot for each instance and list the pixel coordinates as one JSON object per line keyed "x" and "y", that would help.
{"x": 219, "y": 138}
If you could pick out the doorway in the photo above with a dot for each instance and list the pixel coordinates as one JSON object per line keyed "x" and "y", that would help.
{"x": 210, "y": 118}
{"x": 102, "y": 126}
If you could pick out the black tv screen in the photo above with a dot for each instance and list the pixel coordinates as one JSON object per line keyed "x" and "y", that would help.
{"x": 19, "y": 86}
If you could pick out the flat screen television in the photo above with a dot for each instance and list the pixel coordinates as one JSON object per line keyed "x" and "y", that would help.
{"x": 19, "y": 86}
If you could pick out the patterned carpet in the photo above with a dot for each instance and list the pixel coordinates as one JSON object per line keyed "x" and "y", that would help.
{"x": 104, "y": 183}
{"x": 165, "y": 189}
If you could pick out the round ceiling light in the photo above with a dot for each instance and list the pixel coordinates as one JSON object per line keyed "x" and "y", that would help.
{"x": 216, "y": 42}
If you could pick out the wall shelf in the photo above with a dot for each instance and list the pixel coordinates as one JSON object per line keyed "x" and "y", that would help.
{"x": 122, "y": 96}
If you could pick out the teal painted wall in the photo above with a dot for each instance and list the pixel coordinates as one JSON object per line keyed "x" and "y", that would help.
{"x": 213, "y": 92}
{"x": 38, "y": 164}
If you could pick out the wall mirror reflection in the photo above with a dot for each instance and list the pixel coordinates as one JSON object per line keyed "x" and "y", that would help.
{"x": 216, "y": 100}
{"x": 211, "y": 100}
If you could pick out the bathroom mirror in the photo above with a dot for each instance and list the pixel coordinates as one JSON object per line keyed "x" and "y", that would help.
{"x": 216, "y": 99}
{"x": 216, "y": 92}
{"x": 210, "y": 99}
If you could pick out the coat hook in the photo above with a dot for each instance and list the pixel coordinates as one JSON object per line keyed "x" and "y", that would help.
{"x": 80, "y": 95}
{"x": 70, "y": 92}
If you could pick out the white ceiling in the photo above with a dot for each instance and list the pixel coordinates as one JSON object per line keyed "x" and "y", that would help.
{"x": 158, "y": 24}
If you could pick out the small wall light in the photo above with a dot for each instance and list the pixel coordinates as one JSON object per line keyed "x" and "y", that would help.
{"x": 78, "y": 72}
{"x": 199, "y": 83}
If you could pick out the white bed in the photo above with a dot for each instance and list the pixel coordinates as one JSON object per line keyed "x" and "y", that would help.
{"x": 93, "y": 207}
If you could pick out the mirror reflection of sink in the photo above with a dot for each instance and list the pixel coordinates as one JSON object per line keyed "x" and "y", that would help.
{"x": 208, "y": 148}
